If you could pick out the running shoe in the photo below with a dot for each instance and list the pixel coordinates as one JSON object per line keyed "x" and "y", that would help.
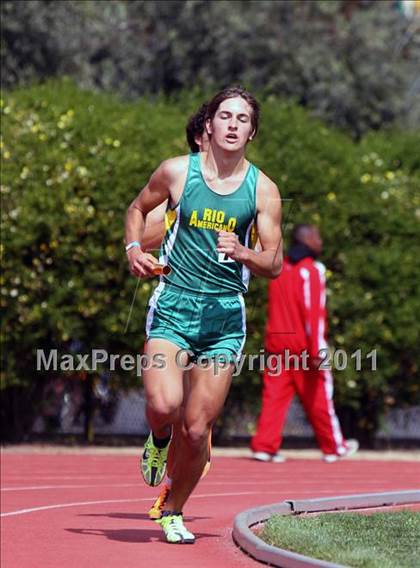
{"x": 261, "y": 456}
{"x": 153, "y": 462}
{"x": 174, "y": 529}
{"x": 278, "y": 457}
{"x": 155, "y": 512}
{"x": 351, "y": 448}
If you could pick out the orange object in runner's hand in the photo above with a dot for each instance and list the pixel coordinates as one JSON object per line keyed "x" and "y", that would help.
{"x": 161, "y": 269}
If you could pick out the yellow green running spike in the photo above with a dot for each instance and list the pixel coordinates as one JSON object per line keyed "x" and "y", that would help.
{"x": 153, "y": 462}
{"x": 174, "y": 529}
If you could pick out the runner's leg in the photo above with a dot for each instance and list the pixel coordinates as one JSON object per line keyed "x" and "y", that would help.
{"x": 163, "y": 386}
{"x": 208, "y": 391}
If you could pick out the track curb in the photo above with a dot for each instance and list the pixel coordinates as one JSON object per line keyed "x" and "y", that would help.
{"x": 247, "y": 540}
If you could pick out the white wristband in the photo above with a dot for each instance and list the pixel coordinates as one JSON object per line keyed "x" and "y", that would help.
{"x": 132, "y": 245}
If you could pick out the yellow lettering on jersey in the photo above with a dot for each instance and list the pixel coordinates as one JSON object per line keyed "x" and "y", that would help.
{"x": 207, "y": 214}
{"x": 213, "y": 215}
{"x": 231, "y": 224}
{"x": 193, "y": 218}
{"x": 212, "y": 219}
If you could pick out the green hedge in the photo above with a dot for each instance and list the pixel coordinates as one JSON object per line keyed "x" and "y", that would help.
{"x": 72, "y": 162}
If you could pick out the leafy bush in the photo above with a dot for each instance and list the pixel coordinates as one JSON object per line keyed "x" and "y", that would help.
{"x": 72, "y": 162}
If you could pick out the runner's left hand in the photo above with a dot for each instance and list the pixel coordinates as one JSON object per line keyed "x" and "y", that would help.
{"x": 229, "y": 244}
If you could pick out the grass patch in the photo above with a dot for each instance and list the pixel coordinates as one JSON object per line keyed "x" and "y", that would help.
{"x": 379, "y": 540}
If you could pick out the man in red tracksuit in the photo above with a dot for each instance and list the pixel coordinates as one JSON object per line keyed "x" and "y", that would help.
{"x": 297, "y": 321}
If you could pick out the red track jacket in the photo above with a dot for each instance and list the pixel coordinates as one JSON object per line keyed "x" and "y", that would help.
{"x": 296, "y": 309}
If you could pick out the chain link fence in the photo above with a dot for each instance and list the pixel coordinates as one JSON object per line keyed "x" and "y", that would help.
{"x": 122, "y": 413}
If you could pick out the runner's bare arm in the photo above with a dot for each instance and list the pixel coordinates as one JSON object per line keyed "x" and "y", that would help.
{"x": 156, "y": 191}
{"x": 268, "y": 261}
{"x": 154, "y": 230}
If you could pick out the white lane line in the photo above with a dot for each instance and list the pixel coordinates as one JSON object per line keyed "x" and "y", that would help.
{"x": 72, "y": 477}
{"x": 85, "y": 503}
{"x": 139, "y": 483}
{"x": 220, "y": 476}
{"x": 202, "y": 496}
{"x": 63, "y": 505}
{"x": 118, "y": 485}
{"x": 44, "y": 487}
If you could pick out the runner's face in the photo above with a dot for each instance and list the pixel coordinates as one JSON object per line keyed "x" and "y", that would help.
{"x": 231, "y": 126}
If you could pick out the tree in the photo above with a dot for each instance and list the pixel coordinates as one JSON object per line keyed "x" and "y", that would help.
{"x": 352, "y": 63}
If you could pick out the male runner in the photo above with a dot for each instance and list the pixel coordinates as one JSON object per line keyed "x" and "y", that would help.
{"x": 197, "y": 312}
{"x": 154, "y": 232}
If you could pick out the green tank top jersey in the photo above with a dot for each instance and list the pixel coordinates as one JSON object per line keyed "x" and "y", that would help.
{"x": 189, "y": 245}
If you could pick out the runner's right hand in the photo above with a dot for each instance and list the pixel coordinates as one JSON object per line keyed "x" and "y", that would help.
{"x": 141, "y": 263}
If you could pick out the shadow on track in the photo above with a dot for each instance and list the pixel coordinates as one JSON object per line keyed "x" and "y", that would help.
{"x": 136, "y": 516}
{"x": 133, "y": 535}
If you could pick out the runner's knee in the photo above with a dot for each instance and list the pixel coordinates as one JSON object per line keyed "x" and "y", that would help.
{"x": 196, "y": 434}
{"x": 162, "y": 406}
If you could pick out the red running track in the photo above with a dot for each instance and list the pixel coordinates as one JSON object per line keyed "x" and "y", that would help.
{"x": 90, "y": 511}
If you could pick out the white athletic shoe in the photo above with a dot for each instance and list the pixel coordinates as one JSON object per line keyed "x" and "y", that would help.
{"x": 261, "y": 456}
{"x": 278, "y": 458}
{"x": 266, "y": 457}
{"x": 175, "y": 530}
{"x": 351, "y": 448}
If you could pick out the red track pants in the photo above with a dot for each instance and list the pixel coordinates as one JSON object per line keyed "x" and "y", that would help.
{"x": 315, "y": 391}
